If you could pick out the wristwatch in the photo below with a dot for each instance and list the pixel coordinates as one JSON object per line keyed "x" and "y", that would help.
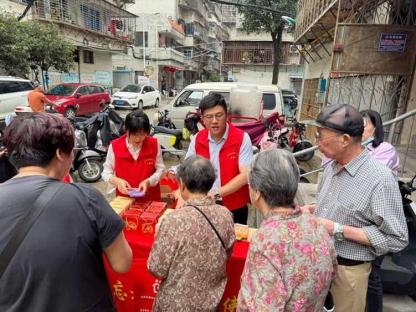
{"x": 338, "y": 232}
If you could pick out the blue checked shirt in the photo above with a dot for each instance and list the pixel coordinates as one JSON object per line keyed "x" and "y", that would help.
{"x": 364, "y": 194}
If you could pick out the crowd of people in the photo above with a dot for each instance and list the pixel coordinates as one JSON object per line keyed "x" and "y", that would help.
{"x": 54, "y": 234}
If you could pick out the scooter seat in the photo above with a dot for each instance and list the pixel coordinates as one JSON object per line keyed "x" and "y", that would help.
{"x": 159, "y": 129}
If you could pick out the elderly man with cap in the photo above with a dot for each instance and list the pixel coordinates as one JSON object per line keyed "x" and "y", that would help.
{"x": 359, "y": 203}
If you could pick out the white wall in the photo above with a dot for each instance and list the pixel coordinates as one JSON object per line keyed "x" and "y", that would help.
{"x": 239, "y": 35}
{"x": 165, "y": 7}
{"x": 12, "y": 8}
{"x": 261, "y": 75}
{"x": 319, "y": 68}
{"x": 100, "y": 72}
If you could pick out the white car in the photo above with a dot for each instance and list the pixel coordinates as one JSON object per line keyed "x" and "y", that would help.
{"x": 188, "y": 99}
{"x": 13, "y": 93}
{"x": 136, "y": 96}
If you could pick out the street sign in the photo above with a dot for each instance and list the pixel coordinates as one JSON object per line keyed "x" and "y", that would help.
{"x": 392, "y": 42}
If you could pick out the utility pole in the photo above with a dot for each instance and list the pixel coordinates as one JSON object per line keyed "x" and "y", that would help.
{"x": 144, "y": 48}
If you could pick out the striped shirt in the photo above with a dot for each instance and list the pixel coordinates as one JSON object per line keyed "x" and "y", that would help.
{"x": 364, "y": 194}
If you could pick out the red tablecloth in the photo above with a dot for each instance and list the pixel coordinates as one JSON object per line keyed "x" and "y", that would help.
{"x": 136, "y": 290}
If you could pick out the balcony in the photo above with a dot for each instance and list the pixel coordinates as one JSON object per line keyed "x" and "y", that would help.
{"x": 175, "y": 31}
{"x": 197, "y": 6}
{"x": 169, "y": 54}
{"x": 95, "y": 16}
{"x": 316, "y": 19}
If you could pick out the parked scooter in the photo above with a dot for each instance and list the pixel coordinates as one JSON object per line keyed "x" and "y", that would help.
{"x": 279, "y": 137}
{"x": 163, "y": 119}
{"x": 398, "y": 271}
{"x": 170, "y": 140}
{"x": 87, "y": 161}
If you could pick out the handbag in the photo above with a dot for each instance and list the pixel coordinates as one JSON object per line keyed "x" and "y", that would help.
{"x": 25, "y": 224}
{"x": 212, "y": 225}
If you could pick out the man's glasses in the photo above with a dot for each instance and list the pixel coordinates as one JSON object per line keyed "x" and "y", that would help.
{"x": 217, "y": 116}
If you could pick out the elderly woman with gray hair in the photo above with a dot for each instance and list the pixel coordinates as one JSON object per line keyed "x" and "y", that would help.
{"x": 291, "y": 261}
{"x": 193, "y": 244}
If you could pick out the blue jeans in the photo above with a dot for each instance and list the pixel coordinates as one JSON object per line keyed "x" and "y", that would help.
{"x": 375, "y": 288}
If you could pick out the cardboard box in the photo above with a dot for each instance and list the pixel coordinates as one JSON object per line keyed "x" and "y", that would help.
{"x": 121, "y": 204}
{"x": 131, "y": 218}
{"x": 148, "y": 221}
{"x": 140, "y": 205}
{"x": 243, "y": 232}
{"x": 157, "y": 208}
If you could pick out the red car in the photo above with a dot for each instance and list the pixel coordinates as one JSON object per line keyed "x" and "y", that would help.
{"x": 76, "y": 99}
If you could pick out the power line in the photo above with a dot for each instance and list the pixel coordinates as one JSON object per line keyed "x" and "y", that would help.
{"x": 251, "y": 6}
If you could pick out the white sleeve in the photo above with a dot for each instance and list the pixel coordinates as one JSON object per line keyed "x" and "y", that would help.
{"x": 108, "y": 170}
{"x": 160, "y": 168}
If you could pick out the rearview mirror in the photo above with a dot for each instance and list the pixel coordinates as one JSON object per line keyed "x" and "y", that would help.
{"x": 77, "y": 95}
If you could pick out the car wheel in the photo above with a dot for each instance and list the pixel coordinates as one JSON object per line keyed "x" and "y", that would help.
{"x": 90, "y": 171}
{"x": 157, "y": 103}
{"x": 140, "y": 106}
{"x": 70, "y": 113}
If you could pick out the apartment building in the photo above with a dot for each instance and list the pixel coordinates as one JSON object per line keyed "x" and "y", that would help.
{"x": 249, "y": 57}
{"x": 98, "y": 28}
{"x": 181, "y": 43}
{"x": 360, "y": 53}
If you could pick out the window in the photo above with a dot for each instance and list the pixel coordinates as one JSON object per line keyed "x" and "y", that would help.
{"x": 190, "y": 98}
{"x": 88, "y": 57}
{"x": 151, "y": 89}
{"x": 96, "y": 89}
{"x": 189, "y": 30}
{"x": 83, "y": 90}
{"x": 138, "y": 39}
{"x": 269, "y": 101}
{"x": 226, "y": 96}
{"x": 146, "y": 89}
{"x": 91, "y": 18}
{"x": 131, "y": 88}
{"x": 25, "y": 86}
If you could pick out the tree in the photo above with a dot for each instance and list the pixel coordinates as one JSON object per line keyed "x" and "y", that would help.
{"x": 32, "y": 45}
{"x": 256, "y": 20}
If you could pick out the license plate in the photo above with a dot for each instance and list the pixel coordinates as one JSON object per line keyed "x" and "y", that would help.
{"x": 119, "y": 102}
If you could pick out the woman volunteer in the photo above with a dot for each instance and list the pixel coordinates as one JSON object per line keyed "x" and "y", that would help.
{"x": 135, "y": 159}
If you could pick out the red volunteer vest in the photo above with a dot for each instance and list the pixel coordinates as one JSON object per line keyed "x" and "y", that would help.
{"x": 136, "y": 171}
{"x": 229, "y": 156}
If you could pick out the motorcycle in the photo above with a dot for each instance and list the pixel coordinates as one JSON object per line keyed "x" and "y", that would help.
{"x": 277, "y": 136}
{"x": 163, "y": 120}
{"x": 103, "y": 127}
{"x": 88, "y": 162}
{"x": 398, "y": 271}
{"x": 170, "y": 140}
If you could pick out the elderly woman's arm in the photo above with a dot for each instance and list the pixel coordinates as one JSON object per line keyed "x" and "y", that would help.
{"x": 164, "y": 249}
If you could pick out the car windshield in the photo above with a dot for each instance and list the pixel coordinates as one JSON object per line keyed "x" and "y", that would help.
{"x": 132, "y": 88}
{"x": 62, "y": 90}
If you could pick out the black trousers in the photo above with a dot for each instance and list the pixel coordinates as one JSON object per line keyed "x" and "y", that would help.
{"x": 240, "y": 215}
{"x": 375, "y": 288}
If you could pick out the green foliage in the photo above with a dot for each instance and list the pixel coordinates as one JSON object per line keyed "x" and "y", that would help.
{"x": 214, "y": 77}
{"x": 257, "y": 20}
{"x": 31, "y": 44}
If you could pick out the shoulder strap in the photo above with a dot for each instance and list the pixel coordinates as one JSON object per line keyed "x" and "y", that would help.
{"x": 25, "y": 224}
{"x": 210, "y": 223}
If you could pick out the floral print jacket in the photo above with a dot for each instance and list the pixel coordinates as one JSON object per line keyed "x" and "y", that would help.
{"x": 190, "y": 259}
{"x": 290, "y": 265}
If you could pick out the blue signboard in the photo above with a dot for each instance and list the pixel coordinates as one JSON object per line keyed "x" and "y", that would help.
{"x": 392, "y": 42}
